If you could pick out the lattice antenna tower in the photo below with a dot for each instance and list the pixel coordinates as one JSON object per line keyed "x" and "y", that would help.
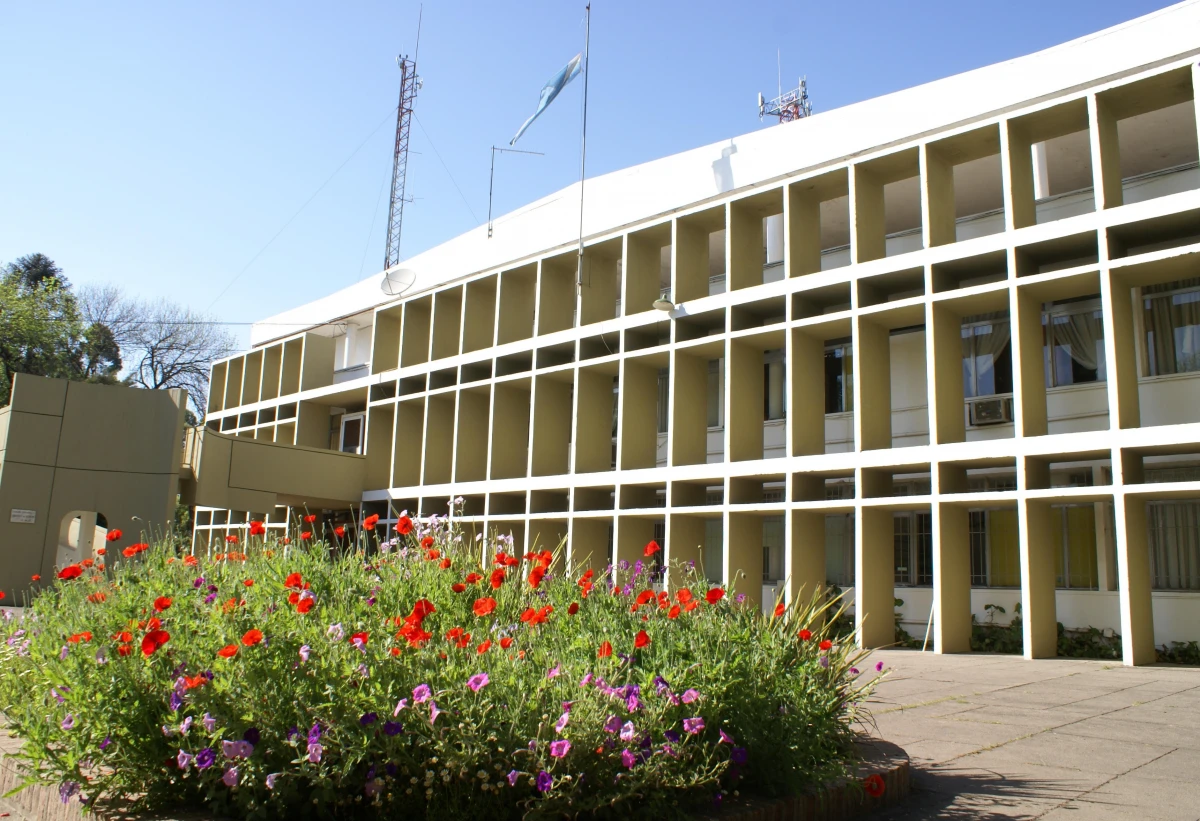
{"x": 788, "y": 106}
{"x": 410, "y": 84}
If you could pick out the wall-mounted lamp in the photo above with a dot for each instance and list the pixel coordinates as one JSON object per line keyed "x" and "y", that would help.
{"x": 662, "y": 304}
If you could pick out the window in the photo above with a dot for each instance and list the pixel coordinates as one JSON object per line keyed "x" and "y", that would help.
{"x": 913, "y": 541}
{"x": 1174, "y": 545}
{"x": 839, "y": 378}
{"x": 1171, "y": 315}
{"x": 772, "y": 549}
{"x": 995, "y": 552}
{"x": 774, "y": 385}
{"x": 716, "y": 392}
{"x": 1075, "y": 546}
{"x": 714, "y": 548}
{"x": 664, "y": 382}
{"x": 352, "y": 430}
{"x": 839, "y": 549}
{"x": 987, "y": 355}
{"x": 1074, "y": 344}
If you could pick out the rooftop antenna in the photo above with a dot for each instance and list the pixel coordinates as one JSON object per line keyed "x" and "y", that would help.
{"x": 788, "y": 106}
{"x": 410, "y": 84}
{"x": 492, "y": 176}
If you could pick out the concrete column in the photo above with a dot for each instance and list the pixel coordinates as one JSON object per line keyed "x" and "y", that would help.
{"x": 510, "y": 430}
{"x": 951, "y": 579}
{"x": 937, "y": 173}
{"x": 1029, "y": 367}
{"x": 640, "y": 275}
{"x": 685, "y": 543}
{"x": 872, "y": 385}
{"x": 874, "y": 578}
{"x": 1105, "y": 576}
{"x": 689, "y": 268}
{"x": 743, "y": 556}
{"x": 1120, "y": 352}
{"x": 744, "y": 246}
{"x": 551, "y": 422}
{"x": 593, "y": 421}
{"x": 439, "y": 439}
{"x": 943, "y": 363}
{"x": 637, "y": 428}
{"x": 774, "y": 237}
{"x": 688, "y": 432}
{"x": 1106, "y": 153}
{"x": 587, "y": 547}
{"x": 1038, "y": 616}
{"x": 868, "y": 239}
{"x": 803, "y": 216}
{"x": 806, "y": 394}
{"x": 471, "y": 447}
{"x": 1041, "y": 172}
{"x": 804, "y": 557}
{"x": 1016, "y": 166}
{"x": 1133, "y": 581}
{"x": 743, "y": 402}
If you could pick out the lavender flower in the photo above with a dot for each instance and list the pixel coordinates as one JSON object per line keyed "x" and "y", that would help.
{"x": 186, "y": 725}
{"x": 335, "y": 632}
{"x": 68, "y": 723}
{"x": 305, "y": 650}
{"x": 628, "y": 731}
{"x": 271, "y": 780}
{"x": 513, "y": 775}
{"x": 562, "y": 721}
{"x": 824, "y": 662}
{"x": 725, "y": 737}
{"x": 434, "y": 711}
{"x": 314, "y": 752}
{"x": 231, "y": 777}
{"x": 209, "y": 722}
{"x": 400, "y": 705}
{"x": 554, "y": 671}
{"x": 184, "y": 760}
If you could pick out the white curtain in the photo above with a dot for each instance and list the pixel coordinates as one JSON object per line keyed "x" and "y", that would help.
{"x": 1173, "y": 328}
{"x": 1079, "y": 333}
{"x": 980, "y": 351}
{"x": 1174, "y": 545}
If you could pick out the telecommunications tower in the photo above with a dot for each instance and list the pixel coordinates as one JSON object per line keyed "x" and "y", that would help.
{"x": 787, "y": 107}
{"x": 409, "y": 85}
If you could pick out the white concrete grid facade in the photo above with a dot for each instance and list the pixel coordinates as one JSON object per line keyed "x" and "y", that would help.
{"x": 957, "y": 369}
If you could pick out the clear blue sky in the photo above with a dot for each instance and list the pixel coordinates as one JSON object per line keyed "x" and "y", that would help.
{"x": 160, "y": 146}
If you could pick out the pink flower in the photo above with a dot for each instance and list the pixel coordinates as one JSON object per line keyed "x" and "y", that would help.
{"x": 434, "y": 711}
{"x": 421, "y": 694}
{"x": 478, "y": 681}
{"x": 628, "y": 759}
{"x": 559, "y": 749}
{"x": 231, "y": 777}
{"x": 693, "y": 725}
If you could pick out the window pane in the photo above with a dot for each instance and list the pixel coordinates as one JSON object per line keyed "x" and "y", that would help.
{"x": 714, "y": 394}
{"x": 1173, "y": 333}
{"x": 351, "y": 435}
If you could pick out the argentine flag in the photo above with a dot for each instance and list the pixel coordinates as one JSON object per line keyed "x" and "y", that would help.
{"x": 549, "y": 91}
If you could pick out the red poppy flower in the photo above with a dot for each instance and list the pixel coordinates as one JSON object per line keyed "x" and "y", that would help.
{"x": 497, "y": 578}
{"x": 444, "y": 564}
{"x": 683, "y": 596}
{"x": 100, "y": 551}
{"x": 715, "y": 595}
{"x": 125, "y": 649}
{"x": 458, "y": 587}
{"x": 198, "y": 680}
{"x": 124, "y": 638}
{"x": 874, "y": 785}
{"x": 154, "y": 640}
{"x": 404, "y": 526}
{"x": 86, "y": 635}
{"x": 536, "y": 575}
{"x": 154, "y": 623}
{"x": 228, "y": 651}
{"x": 362, "y": 637}
{"x": 506, "y": 642}
{"x": 304, "y": 605}
{"x": 96, "y": 598}
{"x": 339, "y": 531}
{"x": 573, "y": 609}
{"x": 690, "y": 606}
{"x": 293, "y": 597}
{"x": 473, "y": 578}
{"x": 129, "y": 553}
{"x": 483, "y": 648}
{"x": 287, "y": 540}
{"x": 779, "y": 608}
{"x": 161, "y": 604}
{"x": 35, "y": 578}
{"x": 605, "y": 650}
{"x": 651, "y": 549}
{"x": 422, "y": 609}
{"x": 395, "y": 651}
{"x": 673, "y": 613}
{"x": 71, "y": 571}
{"x": 248, "y": 582}
{"x": 257, "y": 528}
{"x": 585, "y": 587}
{"x": 113, "y": 535}
{"x": 306, "y": 535}
{"x": 191, "y": 561}
{"x": 252, "y": 637}
{"x": 310, "y": 518}
{"x": 427, "y": 542}
{"x": 826, "y": 645}
{"x": 644, "y": 597}
{"x": 484, "y": 607}
{"x": 231, "y": 539}
{"x": 804, "y": 635}
{"x": 641, "y": 639}
{"x": 370, "y": 522}
{"x": 293, "y": 580}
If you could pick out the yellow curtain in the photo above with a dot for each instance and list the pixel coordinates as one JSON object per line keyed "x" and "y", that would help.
{"x": 1005, "y": 550}
{"x": 1079, "y": 523}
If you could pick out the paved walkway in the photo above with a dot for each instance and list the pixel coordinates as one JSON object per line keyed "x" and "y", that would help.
{"x": 995, "y": 737}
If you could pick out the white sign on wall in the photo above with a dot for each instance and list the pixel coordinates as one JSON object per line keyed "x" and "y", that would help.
{"x": 26, "y": 517}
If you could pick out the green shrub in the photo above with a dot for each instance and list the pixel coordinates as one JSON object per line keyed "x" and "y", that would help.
{"x": 399, "y": 690}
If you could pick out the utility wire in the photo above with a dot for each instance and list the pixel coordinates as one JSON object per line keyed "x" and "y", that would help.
{"x": 443, "y": 162}
{"x": 238, "y": 276}
{"x": 374, "y": 214}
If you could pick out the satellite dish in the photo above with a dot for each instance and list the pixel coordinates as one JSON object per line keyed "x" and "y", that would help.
{"x": 396, "y": 282}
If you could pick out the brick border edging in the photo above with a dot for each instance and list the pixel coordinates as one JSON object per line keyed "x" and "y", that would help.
{"x": 839, "y": 801}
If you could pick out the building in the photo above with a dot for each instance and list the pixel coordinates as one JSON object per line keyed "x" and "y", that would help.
{"x": 942, "y": 345}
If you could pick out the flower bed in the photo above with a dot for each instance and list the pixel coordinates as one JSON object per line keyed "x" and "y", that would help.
{"x": 412, "y": 680}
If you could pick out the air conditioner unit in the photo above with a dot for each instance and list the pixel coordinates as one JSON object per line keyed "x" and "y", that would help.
{"x": 991, "y": 411}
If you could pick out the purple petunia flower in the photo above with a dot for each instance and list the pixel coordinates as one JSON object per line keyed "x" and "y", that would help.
{"x": 210, "y": 598}
{"x": 392, "y": 728}
{"x": 205, "y": 758}
{"x": 335, "y": 632}
{"x": 854, "y": 671}
{"x": 68, "y": 722}
{"x": 612, "y": 725}
{"x": 738, "y": 755}
{"x": 209, "y": 722}
{"x": 314, "y": 735}
{"x": 725, "y": 737}
{"x": 271, "y": 780}
{"x": 560, "y": 748}
{"x": 693, "y": 725}
{"x": 513, "y": 775}
{"x": 104, "y": 744}
{"x": 252, "y": 735}
{"x": 368, "y": 718}
{"x": 879, "y": 667}
{"x": 186, "y": 725}
{"x": 231, "y": 777}
{"x": 305, "y": 650}
{"x": 824, "y": 662}
{"x": 175, "y": 702}
{"x": 314, "y": 752}
{"x": 478, "y": 681}
{"x": 628, "y": 759}
{"x": 672, "y": 736}
{"x": 689, "y": 695}
{"x": 628, "y": 731}
{"x": 400, "y": 705}
{"x": 421, "y": 694}
{"x": 67, "y": 789}
{"x": 434, "y": 711}
{"x": 184, "y": 759}
{"x": 544, "y": 781}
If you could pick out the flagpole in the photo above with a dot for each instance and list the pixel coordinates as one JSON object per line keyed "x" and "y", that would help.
{"x": 583, "y": 147}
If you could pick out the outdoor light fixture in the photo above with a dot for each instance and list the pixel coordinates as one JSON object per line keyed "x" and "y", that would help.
{"x": 663, "y": 304}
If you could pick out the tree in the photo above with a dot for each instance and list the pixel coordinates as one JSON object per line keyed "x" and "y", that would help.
{"x": 41, "y": 331}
